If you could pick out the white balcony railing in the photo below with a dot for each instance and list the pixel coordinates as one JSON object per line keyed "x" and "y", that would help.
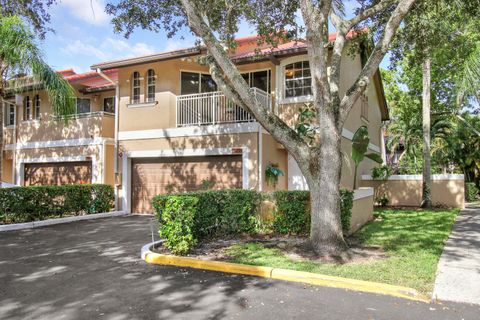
{"x": 215, "y": 108}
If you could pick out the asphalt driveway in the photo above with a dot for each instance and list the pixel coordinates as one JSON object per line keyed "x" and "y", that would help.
{"x": 92, "y": 270}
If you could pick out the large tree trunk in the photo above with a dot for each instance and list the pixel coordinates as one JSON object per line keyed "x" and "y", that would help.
{"x": 324, "y": 182}
{"x": 427, "y": 182}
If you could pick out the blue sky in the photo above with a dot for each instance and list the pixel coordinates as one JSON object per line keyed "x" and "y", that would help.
{"x": 84, "y": 36}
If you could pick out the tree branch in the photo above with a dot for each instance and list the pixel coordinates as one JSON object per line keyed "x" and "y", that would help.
{"x": 233, "y": 84}
{"x": 375, "y": 58}
{"x": 369, "y": 12}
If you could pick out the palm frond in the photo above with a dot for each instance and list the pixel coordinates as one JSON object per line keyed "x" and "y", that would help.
{"x": 26, "y": 67}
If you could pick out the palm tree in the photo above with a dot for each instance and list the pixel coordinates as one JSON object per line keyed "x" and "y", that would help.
{"x": 20, "y": 54}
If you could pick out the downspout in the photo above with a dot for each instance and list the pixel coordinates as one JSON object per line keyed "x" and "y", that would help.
{"x": 260, "y": 158}
{"x": 115, "y": 158}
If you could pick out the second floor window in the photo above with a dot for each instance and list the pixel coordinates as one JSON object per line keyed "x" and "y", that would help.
{"x": 109, "y": 104}
{"x": 258, "y": 79}
{"x": 136, "y": 87}
{"x": 11, "y": 115}
{"x": 297, "y": 79}
{"x": 27, "y": 108}
{"x": 150, "y": 85}
{"x": 36, "y": 103}
{"x": 192, "y": 82}
{"x": 83, "y": 105}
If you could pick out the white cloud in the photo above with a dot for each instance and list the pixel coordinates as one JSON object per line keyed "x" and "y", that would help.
{"x": 173, "y": 44}
{"x": 81, "y": 48}
{"x": 107, "y": 49}
{"x": 92, "y": 12}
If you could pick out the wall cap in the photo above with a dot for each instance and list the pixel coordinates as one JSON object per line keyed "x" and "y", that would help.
{"x": 418, "y": 177}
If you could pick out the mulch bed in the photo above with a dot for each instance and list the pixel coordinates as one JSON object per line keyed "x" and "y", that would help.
{"x": 295, "y": 247}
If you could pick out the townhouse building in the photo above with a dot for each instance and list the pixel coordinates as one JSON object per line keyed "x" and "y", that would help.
{"x": 175, "y": 131}
{"x": 158, "y": 123}
{"x": 41, "y": 149}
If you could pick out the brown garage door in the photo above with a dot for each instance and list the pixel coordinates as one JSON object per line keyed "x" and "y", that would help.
{"x": 58, "y": 173}
{"x": 151, "y": 177}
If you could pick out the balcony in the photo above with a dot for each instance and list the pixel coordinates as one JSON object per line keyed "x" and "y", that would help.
{"x": 80, "y": 126}
{"x": 214, "y": 108}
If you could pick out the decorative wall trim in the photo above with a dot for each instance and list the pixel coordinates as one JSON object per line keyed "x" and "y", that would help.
{"x": 418, "y": 177}
{"x": 60, "y": 143}
{"x": 142, "y": 105}
{"x": 128, "y": 156}
{"x": 362, "y": 193}
{"x": 189, "y": 131}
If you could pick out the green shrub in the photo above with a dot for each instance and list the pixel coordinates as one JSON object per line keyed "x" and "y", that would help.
{"x": 186, "y": 219}
{"x": 177, "y": 222}
{"x": 471, "y": 191}
{"x": 215, "y": 214}
{"x": 293, "y": 211}
{"x": 24, "y": 204}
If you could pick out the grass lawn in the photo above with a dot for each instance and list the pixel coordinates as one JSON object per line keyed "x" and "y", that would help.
{"x": 412, "y": 239}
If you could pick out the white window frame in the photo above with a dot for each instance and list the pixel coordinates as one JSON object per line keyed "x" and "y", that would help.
{"x": 133, "y": 101}
{"x": 27, "y": 108}
{"x": 200, "y": 73}
{"x": 150, "y": 85}
{"x": 83, "y": 98}
{"x": 249, "y": 72}
{"x": 103, "y": 106}
{"x": 36, "y": 108}
{"x": 280, "y": 87}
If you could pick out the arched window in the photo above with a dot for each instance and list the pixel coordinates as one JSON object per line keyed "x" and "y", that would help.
{"x": 136, "y": 87}
{"x": 297, "y": 79}
{"x": 36, "y": 105}
{"x": 27, "y": 108}
{"x": 150, "y": 85}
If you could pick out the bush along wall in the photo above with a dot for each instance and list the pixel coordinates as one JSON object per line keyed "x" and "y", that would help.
{"x": 471, "y": 192}
{"x": 24, "y": 204}
{"x": 185, "y": 219}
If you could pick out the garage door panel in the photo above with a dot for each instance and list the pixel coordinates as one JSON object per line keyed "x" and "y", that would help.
{"x": 58, "y": 173}
{"x": 151, "y": 177}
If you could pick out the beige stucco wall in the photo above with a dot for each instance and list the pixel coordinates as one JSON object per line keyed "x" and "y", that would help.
{"x": 274, "y": 153}
{"x": 82, "y": 127}
{"x": 449, "y": 193}
{"x": 162, "y": 113}
{"x": 109, "y": 164}
{"x": 362, "y": 212}
{"x": 7, "y": 173}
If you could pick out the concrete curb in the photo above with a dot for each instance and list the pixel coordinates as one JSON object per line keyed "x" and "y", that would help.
{"x": 49, "y": 222}
{"x": 280, "y": 274}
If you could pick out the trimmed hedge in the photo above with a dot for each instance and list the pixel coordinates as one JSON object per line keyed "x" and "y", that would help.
{"x": 471, "y": 192}
{"x": 293, "y": 211}
{"x": 24, "y": 204}
{"x": 216, "y": 213}
{"x": 185, "y": 219}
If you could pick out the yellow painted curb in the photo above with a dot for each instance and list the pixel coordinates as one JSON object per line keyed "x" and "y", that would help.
{"x": 286, "y": 275}
{"x": 208, "y": 265}
{"x": 346, "y": 283}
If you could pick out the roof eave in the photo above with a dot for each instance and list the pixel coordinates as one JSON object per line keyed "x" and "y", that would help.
{"x": 145, "y": 59}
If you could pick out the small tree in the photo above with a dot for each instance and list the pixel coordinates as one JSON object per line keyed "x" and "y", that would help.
{"x": 216, "y": 22}
{"x": 19, "y": 54}
{"x": 360, "y": 142}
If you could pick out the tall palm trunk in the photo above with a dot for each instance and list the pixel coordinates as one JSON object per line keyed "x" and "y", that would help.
{"x": 427, "y": 182}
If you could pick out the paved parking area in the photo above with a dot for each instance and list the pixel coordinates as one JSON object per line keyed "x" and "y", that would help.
{"x": 92, "y": 270}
